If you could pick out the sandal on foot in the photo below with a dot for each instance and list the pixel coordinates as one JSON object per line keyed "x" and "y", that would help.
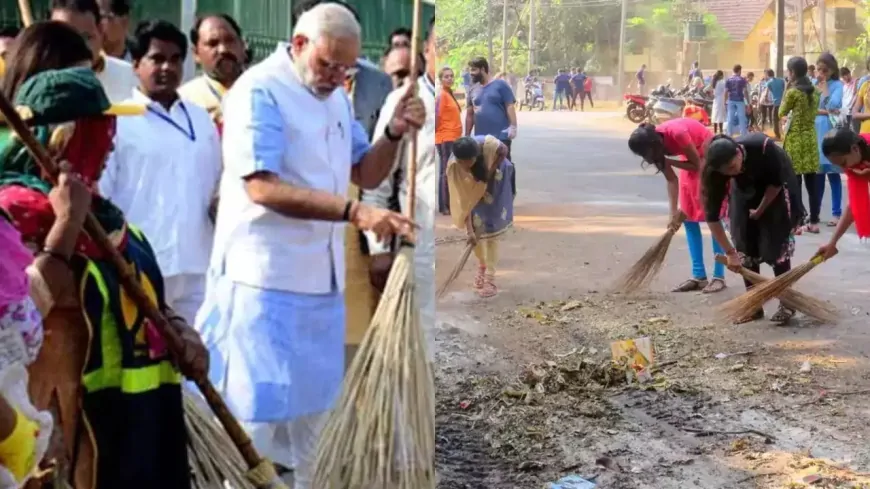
{"x": 489, "y": 289}
{"x": 691, "y": 285}
{"x": 812, "y": 228}
{"x": 715, "y": 285}
{"x": 759, "y": 314}
{"x": 480, "y": 278}
{"x": 833, "y": 222}
{"x": 782, "y": 315}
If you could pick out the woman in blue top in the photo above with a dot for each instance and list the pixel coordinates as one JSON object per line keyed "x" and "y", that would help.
{"x": 830, "y": 102}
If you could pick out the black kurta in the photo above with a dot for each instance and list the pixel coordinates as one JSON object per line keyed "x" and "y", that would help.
{"x": 767, "y": 239}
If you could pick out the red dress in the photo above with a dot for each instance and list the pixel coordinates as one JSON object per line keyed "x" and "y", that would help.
{"x": 677, "y": 134}
{"x": 859, "y": 195}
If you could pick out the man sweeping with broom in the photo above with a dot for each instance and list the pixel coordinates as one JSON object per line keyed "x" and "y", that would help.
{"x": 274, "y": 316}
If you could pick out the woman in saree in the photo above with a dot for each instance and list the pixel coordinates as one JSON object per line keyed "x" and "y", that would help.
{"x": 24, "y": 430}
{"x": 482, "y": 201}
{"x": 850, "y": 152}
{"x": 660, "y": 146}
{"x": 104, "y": 370}
{"x": 764, "y": 206}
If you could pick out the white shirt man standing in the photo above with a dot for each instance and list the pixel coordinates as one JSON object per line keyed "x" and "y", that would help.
{"x": 165, "y": 168}
{"x": 274, "y": 318}
{"x": 427, "y": 195}
{"x": 84, "y": 16}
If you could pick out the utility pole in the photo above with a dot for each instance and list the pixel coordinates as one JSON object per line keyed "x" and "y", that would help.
{"x": 188, "y": 17}
{"x": 620, "y": 75}
{"x": 780, "y": 37}
{"x": 489, "y": 29}
{"x": 504, "y": 37}
{"x": 532, "y": 20}
{"x": 801, "y": 51}
{"x": 823, "y": 26}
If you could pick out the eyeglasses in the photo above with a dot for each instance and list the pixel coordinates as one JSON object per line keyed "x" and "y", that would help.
{"x": 340, "y": 68}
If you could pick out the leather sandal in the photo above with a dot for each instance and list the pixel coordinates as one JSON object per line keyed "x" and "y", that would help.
{"x": 715, "y": 285}
{"x": 691, "y": 285}
{"x": 479, "y": 278}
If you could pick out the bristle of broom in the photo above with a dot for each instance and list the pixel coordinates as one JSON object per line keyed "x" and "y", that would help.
{"x": 382, "y": 432}
{"x": 457, "y": 270}
{"x": 809, "y": 306}
{"x": 642, "y": 273}
{"x": 754, "y": 299}
{"x": 215, "y": 462}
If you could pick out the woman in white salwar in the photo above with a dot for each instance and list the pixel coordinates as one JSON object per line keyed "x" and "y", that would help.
{"x": 719, "y": 112}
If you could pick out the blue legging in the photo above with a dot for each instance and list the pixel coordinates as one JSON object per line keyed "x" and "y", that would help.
{"x": 696, "y": 252}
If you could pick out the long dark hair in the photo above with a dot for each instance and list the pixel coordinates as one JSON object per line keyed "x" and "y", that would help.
{"x": 721, "y": 149}
{"x": 717, "y": 77}
{"x": 830, "y": 61}
{"x": 41, "y": 47}
{"x": 644, "y": 140}
{"x": 840, "y": 142}
{"x": 798, "y": 67}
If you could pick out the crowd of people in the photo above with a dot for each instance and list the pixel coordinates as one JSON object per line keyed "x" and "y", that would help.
{"x": 258, "y": 205}
{"x": 752, "y": 181}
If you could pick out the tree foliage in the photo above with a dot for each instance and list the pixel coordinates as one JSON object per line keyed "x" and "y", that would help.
{"x": 567, "y": 33}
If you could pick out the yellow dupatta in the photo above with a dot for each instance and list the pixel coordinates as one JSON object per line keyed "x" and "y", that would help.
{"x": 465, "y": 191}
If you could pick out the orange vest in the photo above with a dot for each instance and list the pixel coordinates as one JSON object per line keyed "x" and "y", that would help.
{"x": 448, "y": 125}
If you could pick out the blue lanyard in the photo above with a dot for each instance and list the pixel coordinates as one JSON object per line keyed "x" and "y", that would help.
{"x": 190, "y": 134}
{"x": 214, "y": 91}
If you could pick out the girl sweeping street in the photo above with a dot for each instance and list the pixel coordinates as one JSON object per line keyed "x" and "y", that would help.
{"x": 851, "y": 152}
{"x": 764, "y": 206}
{"x": 799, "y": 105}
{"x": 658, "y": 146}
{"x": 482, "y": 201}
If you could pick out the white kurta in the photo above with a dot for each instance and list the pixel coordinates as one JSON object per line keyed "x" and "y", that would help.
{"x": 427, "y": 201}
{"x": 718, "y": 115}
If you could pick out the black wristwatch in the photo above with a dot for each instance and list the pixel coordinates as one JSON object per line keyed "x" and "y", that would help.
{"x": 392, "y": 137}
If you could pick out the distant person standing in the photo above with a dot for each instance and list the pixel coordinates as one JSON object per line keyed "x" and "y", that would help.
{"x": 776, "y": 89}
{"x": 719, "y": 108}
{"x": 577, "y": 81}
{"x": 640, "y": 76}
{"x": 694, "y": 72}
{"x": 737, "y": 96}
{"x": 491, "y": 108}
{"x": 587, "y": 90}
{"x": 849, "y": 96}
{"x": 562, "y": 82}
{"x": 466, "y": 79}
{"x": 448, "y": 128}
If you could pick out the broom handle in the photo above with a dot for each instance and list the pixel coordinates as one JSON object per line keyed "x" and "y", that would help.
{"x": 412, "y": 154}
{"x": 134, "y": 289}
{"x": 744, "y": 272}
{"x": 26, "y": 13}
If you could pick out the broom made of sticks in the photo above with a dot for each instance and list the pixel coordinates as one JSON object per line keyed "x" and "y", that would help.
{"x": 754, "y": 299}
{"x": 382, "y": 432}
{"x": 793, "y": 299}
{"x": 261, "y": 472}
{"x": 642, "y": 273}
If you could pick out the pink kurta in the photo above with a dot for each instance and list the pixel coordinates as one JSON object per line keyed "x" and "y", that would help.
{"x": 677, "y": 134}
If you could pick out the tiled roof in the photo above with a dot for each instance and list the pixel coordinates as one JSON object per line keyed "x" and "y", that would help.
{"x": 738, "y": 17}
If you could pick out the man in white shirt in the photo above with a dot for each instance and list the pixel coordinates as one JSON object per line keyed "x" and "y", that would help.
{"x": 427, "y": 195}
{"x": 84, "y": 16}
{"x": 274, "y": 318}
{"x": 165, "y": 167}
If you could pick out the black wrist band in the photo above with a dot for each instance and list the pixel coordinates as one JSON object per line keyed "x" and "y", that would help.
{"x": 392, "y": 137}
{"x": 346, "y": 216}
{"x": 55, "y": 254}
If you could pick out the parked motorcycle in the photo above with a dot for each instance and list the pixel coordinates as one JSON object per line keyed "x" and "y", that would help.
{"x": 636, "y": 107}
{"x": 534, "y": 97}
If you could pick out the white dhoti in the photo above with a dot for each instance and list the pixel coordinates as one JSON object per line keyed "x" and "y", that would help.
{"x": 277, "y": 358}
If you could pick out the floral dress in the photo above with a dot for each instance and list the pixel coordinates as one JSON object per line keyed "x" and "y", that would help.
{"x": 800, "y": 138}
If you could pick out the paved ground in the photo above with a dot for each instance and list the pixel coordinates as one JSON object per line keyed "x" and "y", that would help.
{"x": 585, "y": 212}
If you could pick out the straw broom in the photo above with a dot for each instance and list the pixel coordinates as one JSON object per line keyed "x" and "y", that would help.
{"x": 642, "y": 273}
{"x": 793, "y": 299}
{"x": 754, "y": 299}
{"x": 457, "y": 269}
{"x": 381, "y": 434}
{"x": 260, "y": 472}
